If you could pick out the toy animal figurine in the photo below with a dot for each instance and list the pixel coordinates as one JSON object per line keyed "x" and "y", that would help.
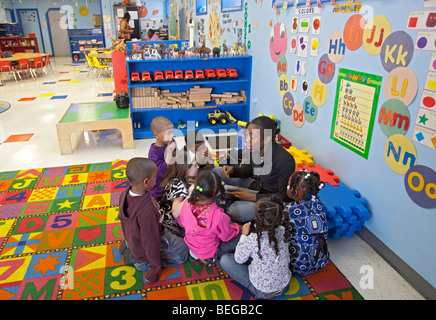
{"x": 242, "y": 50}
{"x": 236, "y": 49}
{"x": 226, "y": 50}
{"x": 139, "y": 51}
{"x": 216, "y": 52}
{"x": 118, "y": 45}
{"x": 202, "y": 51}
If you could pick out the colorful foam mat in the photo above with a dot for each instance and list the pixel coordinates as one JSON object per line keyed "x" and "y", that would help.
{"x": 59, "y": 240}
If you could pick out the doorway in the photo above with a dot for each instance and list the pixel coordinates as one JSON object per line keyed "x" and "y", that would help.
{"x": 59, "y": 40}
{"x": 30, "y": 23}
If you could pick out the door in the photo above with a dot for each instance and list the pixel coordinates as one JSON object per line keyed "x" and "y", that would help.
{"x": 58, "y": 36}
{"x": 30, "y": 23}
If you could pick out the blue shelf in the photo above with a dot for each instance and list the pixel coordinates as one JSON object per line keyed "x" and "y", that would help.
{"x": 240, "y": 111}
{"x": 189, "y": 83}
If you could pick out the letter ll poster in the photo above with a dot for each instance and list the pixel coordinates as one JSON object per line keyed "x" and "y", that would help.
{"x": 355, "y": 110}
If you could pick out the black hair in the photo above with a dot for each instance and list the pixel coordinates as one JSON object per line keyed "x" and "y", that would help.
{"x": 127, "y": 16}
{"x": 269, "y": 215}
{"x": 194, "y": 136}
{"x": 208, "y": 185}
{"x": 178, "y": 167}
{"x": 138, "y": 169}
{"x": 263, "y": 123}
{"x": 310, "y": 182}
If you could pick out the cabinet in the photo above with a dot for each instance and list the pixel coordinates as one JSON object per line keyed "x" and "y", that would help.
{"x": 81, "y": 39}
{"x": 145, "y": 103}
{"x": 19, "y": 44}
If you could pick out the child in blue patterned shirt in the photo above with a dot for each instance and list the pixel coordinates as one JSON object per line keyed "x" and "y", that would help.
{"x": 268, "y": 273}
{"x": 308, "y": 245}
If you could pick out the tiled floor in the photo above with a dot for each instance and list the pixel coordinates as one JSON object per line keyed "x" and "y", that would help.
{"x": 36, "y": 107}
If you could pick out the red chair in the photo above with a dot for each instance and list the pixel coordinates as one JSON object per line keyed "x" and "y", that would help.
{"x": 38, "y": 64}
{"x": 23, "y": 64}
{"x": 5, "y": 66}
{"x": 47, "y": 63}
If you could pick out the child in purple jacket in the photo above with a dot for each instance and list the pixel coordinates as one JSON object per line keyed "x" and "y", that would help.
{"x": 208, "y": 231}
{"x": 161, "y": 151}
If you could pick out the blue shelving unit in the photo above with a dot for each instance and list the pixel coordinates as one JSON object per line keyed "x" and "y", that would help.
{"x": 86, "y": 38}
{"x": 240, "y": 110}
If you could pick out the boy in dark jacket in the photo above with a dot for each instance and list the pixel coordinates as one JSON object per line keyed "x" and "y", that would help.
{"x": 147, "y": 244}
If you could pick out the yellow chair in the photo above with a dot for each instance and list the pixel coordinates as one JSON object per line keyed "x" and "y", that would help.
{"x": 100, "y": 67}
{"x": 90, "y": 64}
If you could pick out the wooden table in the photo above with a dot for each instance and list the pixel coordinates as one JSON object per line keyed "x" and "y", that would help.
{"x": 24, "y": 55}
{"x": 105, "y": 56}
{"x": 94, "y": 116}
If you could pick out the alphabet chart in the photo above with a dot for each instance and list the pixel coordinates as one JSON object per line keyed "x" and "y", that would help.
{"x": 355, "y": 110}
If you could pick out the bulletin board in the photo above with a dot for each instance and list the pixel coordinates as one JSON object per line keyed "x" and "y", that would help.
{"x": 355, "y": 110}
{"x": 172, "y": 22}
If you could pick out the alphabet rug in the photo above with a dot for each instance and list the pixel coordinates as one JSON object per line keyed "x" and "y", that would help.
{"x": 59, "y": 240}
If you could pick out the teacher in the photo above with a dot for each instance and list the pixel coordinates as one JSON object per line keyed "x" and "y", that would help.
{"x": 125, "y": 29}
{"x": 266, "y": 172}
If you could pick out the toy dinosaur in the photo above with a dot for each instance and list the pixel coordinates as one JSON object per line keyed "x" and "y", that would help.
{"x": 118, "y": 45}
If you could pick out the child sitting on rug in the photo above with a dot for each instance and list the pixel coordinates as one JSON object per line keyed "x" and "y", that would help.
{"x": 161, "y": 151}
{"x": 196, "y": 146}
{"x": 180, "y": 175}
{"x": 268, "y": 273}
{"x": 208, "y": 231}
{"x": 147, "y": 244}
{"x": 308, "y": 246}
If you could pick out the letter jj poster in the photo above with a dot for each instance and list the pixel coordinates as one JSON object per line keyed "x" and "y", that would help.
{"x": 355, "y": 109}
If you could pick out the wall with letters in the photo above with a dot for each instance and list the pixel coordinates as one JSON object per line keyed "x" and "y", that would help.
{"x": 355, "y": 86}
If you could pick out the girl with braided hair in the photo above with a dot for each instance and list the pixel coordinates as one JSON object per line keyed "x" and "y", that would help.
{"x": 268, "y": 273}
{"x": 308, "y": 245}
{"x": 208, "y": 231}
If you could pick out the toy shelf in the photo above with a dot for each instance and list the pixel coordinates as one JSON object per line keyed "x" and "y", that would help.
{"x": 19, "y": 44}
{"x": 84, "y": 39}
{"x": 197, "y": 114}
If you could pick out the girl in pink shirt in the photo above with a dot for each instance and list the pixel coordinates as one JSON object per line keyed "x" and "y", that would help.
{"x": 208, "y": 231}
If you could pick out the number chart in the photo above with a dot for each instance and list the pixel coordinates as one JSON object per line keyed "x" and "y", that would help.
{"x": 355, "y": 110}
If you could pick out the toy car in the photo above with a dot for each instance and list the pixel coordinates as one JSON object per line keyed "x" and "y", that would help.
{"x": 178, "y": 75}
{"x": 158, "y": 76}
{"x": 189, "y": 75}
{"x": 221, "y": 73}
{"x": 169, "y": 75}
{"x": 210, "y": 73}
{"x": 199, "y": 74}
{"x": 134, "y": 76}
{"x": 218, "y": 116}
{"x": 231, "y": 73}
{"x": 145, "y": 76}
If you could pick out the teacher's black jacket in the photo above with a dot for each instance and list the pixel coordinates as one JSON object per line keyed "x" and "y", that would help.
{"x": 276, "y": 180}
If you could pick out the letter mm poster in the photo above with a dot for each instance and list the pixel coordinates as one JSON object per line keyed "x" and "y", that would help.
{"x": 355, "y": 110}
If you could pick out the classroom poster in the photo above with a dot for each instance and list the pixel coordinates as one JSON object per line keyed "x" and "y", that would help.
{"x": 355, "y": 110}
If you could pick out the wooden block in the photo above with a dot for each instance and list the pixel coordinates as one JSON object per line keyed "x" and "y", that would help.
{"x": 221, "y": 95}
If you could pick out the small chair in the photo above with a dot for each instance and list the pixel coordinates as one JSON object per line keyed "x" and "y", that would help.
{"x": 5, "y": 66}
{"x": 90, "y": 64}
{"x": 38, "y": 64}
{"x": 23, "y": 64}
{"x": 47, "y": 63}
{"x": 100, "y": 67}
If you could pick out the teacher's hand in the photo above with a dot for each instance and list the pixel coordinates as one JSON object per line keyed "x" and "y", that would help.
{"x": 243, "y": 195}
{"x": 226, "y": 171}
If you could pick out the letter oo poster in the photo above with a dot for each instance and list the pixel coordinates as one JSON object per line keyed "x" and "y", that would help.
{"x": 355, "y": 110}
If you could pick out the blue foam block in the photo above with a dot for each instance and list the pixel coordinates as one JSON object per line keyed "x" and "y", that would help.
{"x": 348, "y": 205}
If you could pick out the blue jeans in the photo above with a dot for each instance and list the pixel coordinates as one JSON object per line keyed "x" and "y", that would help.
{"x": 239, "y": 211}
{"x": 173, "y": 250}
{"x": 239, "y": 272}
